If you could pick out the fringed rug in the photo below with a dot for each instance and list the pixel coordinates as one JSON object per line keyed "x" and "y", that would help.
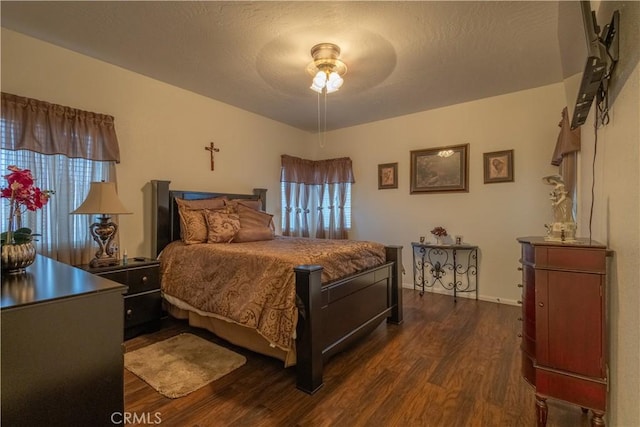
{"x": 182, "y": 364}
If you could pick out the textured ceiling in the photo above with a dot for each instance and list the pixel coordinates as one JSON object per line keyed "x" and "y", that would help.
{"x": 403, "y": 57}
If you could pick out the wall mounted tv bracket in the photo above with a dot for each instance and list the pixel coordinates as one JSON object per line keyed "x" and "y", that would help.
{"x": 598, "y": 69}
{"x": 611, "y": 43}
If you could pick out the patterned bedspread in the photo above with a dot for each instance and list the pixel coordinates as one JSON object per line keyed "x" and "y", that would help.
{"x": 253, "y": 284}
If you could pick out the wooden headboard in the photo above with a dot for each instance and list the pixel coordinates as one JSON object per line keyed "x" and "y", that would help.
{"x": 166, "y": 220}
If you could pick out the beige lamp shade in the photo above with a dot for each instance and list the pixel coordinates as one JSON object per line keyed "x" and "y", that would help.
{"x": 102, "y": 199}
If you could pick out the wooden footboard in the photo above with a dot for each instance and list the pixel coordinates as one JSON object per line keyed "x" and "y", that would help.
{"x": 333, "y": 316}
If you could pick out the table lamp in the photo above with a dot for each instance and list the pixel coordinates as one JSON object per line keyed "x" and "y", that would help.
{"x": 103, "y": 200}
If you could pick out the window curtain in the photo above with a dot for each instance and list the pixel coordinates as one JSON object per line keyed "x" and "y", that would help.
{"x": 332, "y": 228}
{"x": 66, "y": 149}
{"x": 341, "y": 197}
{"x": 305, "y": 195}
{"x": 42, "y": 127}
{"x": 287, "y": 199}
{"x": 565, "y": 156}
{"x": 316, "y": 179}
{"x": 320, "y": 228}
{"x": 297, "y": 177}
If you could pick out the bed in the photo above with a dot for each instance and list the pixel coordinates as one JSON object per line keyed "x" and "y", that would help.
{"x": 331, "y": 308}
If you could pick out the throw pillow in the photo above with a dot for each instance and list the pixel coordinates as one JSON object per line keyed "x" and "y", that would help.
{"x": 254, "y": 225}
{"x": 222, "y": 226}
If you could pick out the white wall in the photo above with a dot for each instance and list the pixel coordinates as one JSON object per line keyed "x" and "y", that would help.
{"x": 616, "y": 210}
{"x": 162, "y": 130}
{"x": 489, "y": 215}
{"x": 616, "y": 223}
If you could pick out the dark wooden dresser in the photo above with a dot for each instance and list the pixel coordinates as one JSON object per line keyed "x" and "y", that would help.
{"x": 564, "y": 344}
{"x": 62, "y": 354}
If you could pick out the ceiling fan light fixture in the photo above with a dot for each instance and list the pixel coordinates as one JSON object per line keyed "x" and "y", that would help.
{"x": 326, "y": 68}
{"x": 320, "y": 79}
{"x": 331, "y": 89}
{"x": 334, "y": 82}
{"x": 316, "y": 88}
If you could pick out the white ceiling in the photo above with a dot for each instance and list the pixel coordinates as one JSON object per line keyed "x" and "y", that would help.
{"x": 402, "y": 57}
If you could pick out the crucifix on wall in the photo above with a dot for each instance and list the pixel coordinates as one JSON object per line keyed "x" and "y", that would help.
{"x": 211, "y": 149}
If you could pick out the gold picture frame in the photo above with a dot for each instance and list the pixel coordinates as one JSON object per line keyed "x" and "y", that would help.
{"x": 498, "y": 166}
{"x": 440, "y": 170}
{"x": 387, "y": 176}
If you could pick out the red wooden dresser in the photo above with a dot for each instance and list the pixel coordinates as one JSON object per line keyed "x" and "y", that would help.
{"x": 564, "y": 346}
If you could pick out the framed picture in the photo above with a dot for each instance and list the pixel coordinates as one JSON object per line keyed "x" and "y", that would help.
{"x": 440, "y": 170}
{"x": 387, "y": 176}
{"x": 498, "y": 166}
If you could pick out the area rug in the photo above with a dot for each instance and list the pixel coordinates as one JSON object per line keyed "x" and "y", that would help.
{"x": 181, "y": 364}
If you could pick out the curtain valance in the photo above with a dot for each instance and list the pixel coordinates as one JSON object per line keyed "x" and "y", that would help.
{"x": 47, "y": 128}
{"x": 316, "y": 172}
{"x": 568, "y": 140}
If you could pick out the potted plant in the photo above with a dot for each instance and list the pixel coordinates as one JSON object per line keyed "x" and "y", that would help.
{"x": 439, "y": 232}
{"x": 18, "y": 251}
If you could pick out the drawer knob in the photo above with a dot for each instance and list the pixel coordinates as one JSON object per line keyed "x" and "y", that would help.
{"x": 129, "y": 313}
{"x": 520, "y": 319}
{"x": 519, "y": 302}
{"x": 519, "y": 335}
{"x": 144, "y": 279}
{"x": 519, "y": 268}
{"x": 541, "y": 304}
{"x": 519, "y": 285}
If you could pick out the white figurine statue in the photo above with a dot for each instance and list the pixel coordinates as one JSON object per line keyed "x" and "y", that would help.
{"x": 563, "y": 229}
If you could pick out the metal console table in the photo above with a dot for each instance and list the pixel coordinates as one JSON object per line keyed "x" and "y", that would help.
{"x": 454, "y": 267}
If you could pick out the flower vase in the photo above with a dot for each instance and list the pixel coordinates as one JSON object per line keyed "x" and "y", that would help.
{"x": 18, "y": 250}
{"x": 438, "y": 240}
{"x": 16, "y": 257}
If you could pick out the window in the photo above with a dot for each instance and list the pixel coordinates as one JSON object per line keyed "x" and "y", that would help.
{"x": 65, "y": 149}
{"x": 347, "y": 207}
{"x": 62, "y": 236}
{"x": 316, "y": 197}
{"x": 296, "y": 226}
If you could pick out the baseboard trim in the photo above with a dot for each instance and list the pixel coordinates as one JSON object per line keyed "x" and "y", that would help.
{"x": 469, "y": 295}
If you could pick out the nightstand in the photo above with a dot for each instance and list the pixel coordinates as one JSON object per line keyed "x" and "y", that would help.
{"x": 142, "y": 302}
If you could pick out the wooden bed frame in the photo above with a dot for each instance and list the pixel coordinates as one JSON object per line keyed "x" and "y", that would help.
{"x": 331, "y": 316}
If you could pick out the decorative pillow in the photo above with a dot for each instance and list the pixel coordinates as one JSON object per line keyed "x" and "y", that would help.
{"x": 254, "y": 204}
{"x": 253, "y": 235}
{"x": 254, "y": 225}
{"x": 193, "y": 224}
{"x": 223, "y": 226}
{"x": 214, "y": 203}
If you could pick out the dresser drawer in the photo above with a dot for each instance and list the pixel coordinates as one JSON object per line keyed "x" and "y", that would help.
{"x": 138, "y": 280}
{"x": 575, "y": 259}
{"x": 143, "y": 308}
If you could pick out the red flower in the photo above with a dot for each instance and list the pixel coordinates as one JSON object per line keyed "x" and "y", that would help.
{"x": 22, "y": 195}
{"x": 439, "y": 231}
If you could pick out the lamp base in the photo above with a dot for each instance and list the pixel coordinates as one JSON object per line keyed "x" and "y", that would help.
{"x": 103, "y": 262}
{"x": 103, "y": 233}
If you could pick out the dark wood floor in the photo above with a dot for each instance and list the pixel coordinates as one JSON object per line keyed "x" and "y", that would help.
{"x": 446, "y": 365}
